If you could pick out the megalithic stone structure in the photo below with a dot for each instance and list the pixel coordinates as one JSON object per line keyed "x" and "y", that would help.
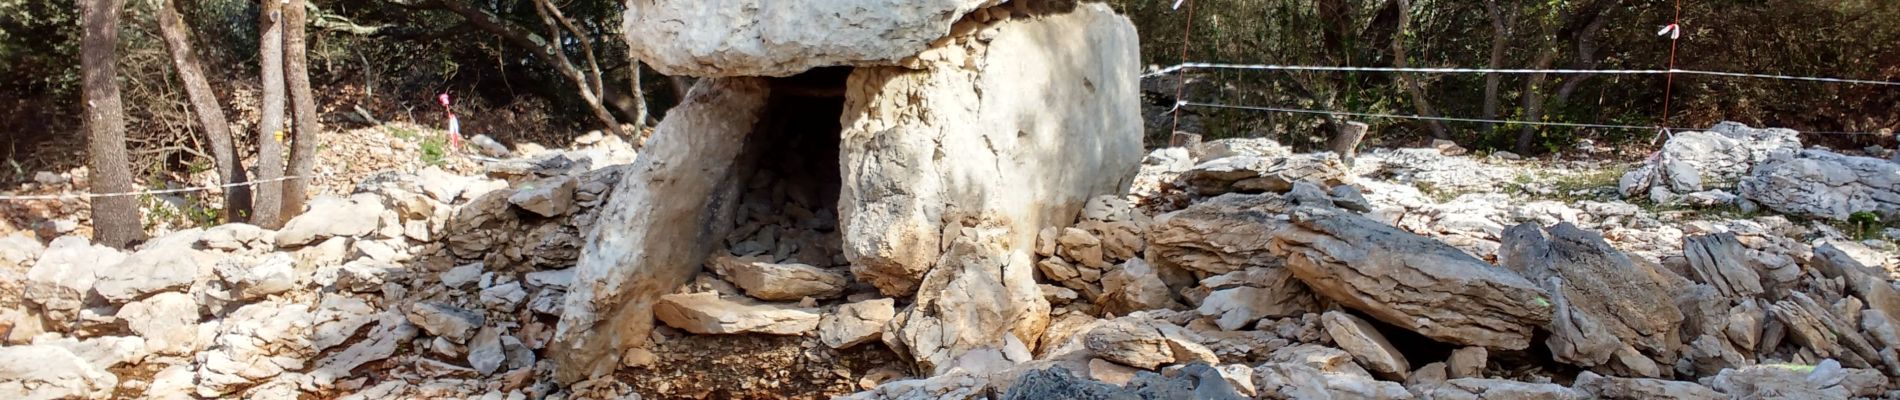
{"x": 967, "y": 127}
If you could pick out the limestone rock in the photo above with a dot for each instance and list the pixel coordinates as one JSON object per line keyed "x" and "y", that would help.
{"x": 274, "y": 274}
{"x": 1719, "y": 261}
{"x": 1365, "y": 343}
{"x": 784, "y": 38}
{"x": 980, "y": 308}
{"x": 327, "y": 217}
{"x": 1720, "y": 156}
{"x": 102, "y": 351}
{"x": 1241, "y": 298}
{"x": 1468, "y": 362}
{"x": 1475, "y": 388}
{"x": 1440, "y": 292}
{"x": 1603, "y": 301}
{"x": 899, "y": 194}
{"x": 1322, "y": 358}
{"x": 168, "y": 322}
{"x": 1871, "y": 285}
{"x": 1790, "y": 381}
{"x": 1251, "y": 174}
{"x": 235, "y": 236}
{"x": 1295, "y": 381}
{"x": 1139, "y": 343}
{"x": 856, "y": 323}
{"x": 633, "y": 254}
{"x": 446, "y": 321}
{"x": 1823, "y": 184}
{"x": 485, "y": 352}
{"x": 957, "y": 385}
{"x": 1817, "y": 328}
{"x": 257, "y": 342}
{"x": 1135, "y": 286}
{"x": 148, "y": 271}
{"x": 380, "y": 342}
{"x": 552, "y": 197}
{"x": 780, "y": 282}
{"x": 1615, "y": 388}
{"x": 66, "y": 273}
{"x": 706, "y": 313}
{"x": 1218, "y": 236}
{"x": 51, "y": 372}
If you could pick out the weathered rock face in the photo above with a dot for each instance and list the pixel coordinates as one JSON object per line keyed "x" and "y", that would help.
{"x": 656, "y": 231}
{"x": 731, "y": 38}
{"x": 980, "y": 308}
{"x": 1717, "y": 158}
{"x": 1255, "y": 174}
{"x": 706, "y": 313}
{"x": 1365, "y": 343}
{"x": 1409, "y": 281}
{"x": 51, "y": 372}
{"x": 1215, "y": 237}
{"x": 66, "y": 273}
{"x": 1607, "y": 308}
{"x": 780, "y": 282}
{"x": 1824, "y": 184}
{"x": 331, "y": 217}
{"x": 856, "y": 323}
{"x": 1014, "y": 102}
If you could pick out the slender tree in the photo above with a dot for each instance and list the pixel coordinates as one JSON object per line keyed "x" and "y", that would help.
{"x": 303, "y": 106}
{"x": 1411, "y": 83}
{"x": 1501, "y": 23}
{"x": 547, "y": 48}
{"x": 115, "y": 220}
{"x": 237, "y": 200}
{"x": 270, "y": 126}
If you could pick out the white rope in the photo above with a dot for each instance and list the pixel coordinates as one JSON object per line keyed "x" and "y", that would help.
{"x": 66, "y": 196}
{"x": 1454, "y": 119}
{"x": 1271, "y": 67}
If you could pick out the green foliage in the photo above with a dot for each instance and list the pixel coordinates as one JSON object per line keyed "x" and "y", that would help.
{"x": 1855, "y": 38}
{"x": 1864, "y": 225}
{"x": 435, "y": 149}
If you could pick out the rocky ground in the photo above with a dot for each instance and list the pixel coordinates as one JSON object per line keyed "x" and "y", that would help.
{"x": 1723, "y": 267}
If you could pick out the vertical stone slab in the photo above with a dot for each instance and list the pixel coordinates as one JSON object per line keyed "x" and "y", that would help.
{"x": 659, "y": 226}
{"x": 1015, "y": 123}
{"x": 1007, "y": 128}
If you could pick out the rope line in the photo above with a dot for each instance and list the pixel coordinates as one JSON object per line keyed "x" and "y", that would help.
{"x": 141, "y": 193}
{"x": 1456, "y": 119}
{"x": 1180, "y": 83}
{"x": 1273, "y": 67}
{"x": 1674, "y": 30}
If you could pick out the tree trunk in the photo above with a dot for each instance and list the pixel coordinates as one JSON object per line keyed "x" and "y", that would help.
{"x": 270, "y": 126}
{"x": 303, "y": 106}
{"x": 237, "y": 199}
{"x": 639, "y": 95}
{"x": 115, "y": 220}
{"x": 1534, "y": 101}
{"x": 1411, "y": 83}
{"x": 1501, "y": 36}
{"x": 1586, "y": 51}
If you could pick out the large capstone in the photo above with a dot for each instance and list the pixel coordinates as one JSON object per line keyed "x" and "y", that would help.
{"x": 730, "y": 38}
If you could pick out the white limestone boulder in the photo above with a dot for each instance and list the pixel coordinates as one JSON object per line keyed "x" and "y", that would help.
{"x": 730, "y": 38}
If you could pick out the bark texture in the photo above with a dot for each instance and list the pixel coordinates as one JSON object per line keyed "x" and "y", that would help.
{"x": 210, "y": 113}
{"x": 303, "y": 107}
{"x": 115, "y": 219}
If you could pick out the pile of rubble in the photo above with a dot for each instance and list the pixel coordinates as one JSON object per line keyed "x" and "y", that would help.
{"x": 414, "y": 277}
